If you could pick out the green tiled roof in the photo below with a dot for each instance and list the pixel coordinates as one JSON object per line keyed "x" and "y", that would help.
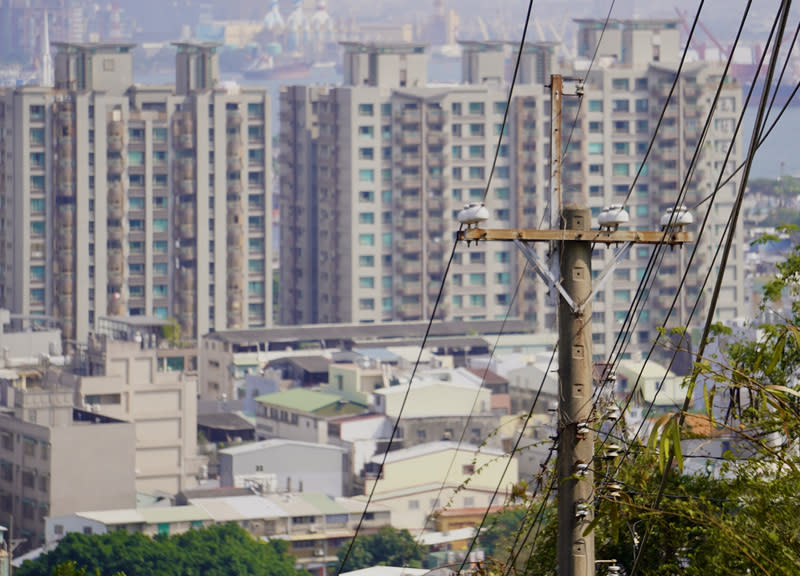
{"x": 321, "y": 502}
{"x": 299, "y": 400}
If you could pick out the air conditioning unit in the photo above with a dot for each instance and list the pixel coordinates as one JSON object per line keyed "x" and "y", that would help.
{"x": 319, "y": 552}
{"x": 313, "y": 530}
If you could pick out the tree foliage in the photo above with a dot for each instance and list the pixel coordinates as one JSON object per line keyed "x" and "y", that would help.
{"x": 224, "y": 550}
{"x": 388, "y": 547}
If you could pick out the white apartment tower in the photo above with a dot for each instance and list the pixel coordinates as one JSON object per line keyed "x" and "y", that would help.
{"x": 373, "y": 172}
{"x": 121, "y": 199}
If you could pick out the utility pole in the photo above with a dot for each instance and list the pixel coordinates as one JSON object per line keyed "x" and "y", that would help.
{"x": 570, "y": 279}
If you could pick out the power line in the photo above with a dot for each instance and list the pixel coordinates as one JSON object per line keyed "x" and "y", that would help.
{"x": 400, "y": 412}
{"x": 666, "y": 104}
{"x": 477, "y": 395}
{"x": 508, "y": 461}
{"x": 510, "y": 95}
{"x": 783, "y": 14}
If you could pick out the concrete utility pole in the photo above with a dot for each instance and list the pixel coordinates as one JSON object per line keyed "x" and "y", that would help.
{"x": 570, "y": 278}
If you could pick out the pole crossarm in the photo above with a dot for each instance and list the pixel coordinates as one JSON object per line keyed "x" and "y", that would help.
{"x": 672, "y": 238}
{"x": 545, "y": 274}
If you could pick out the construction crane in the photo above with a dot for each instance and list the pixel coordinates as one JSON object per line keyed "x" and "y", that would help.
{"x": 722, "y": 50}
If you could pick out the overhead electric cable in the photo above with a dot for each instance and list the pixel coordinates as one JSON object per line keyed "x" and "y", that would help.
{"x": 400, "y": 412}
{"x": 510, "y": 95}
{"x": 783, "y": 14}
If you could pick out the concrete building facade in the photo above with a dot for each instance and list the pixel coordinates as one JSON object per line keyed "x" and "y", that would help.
{"x": 120, "y": 199}
{"x": 374, "y": 171}
{"x": 55, "y": 459}
{"x": 125, "y": 380}
{"x": 284, "y": 465}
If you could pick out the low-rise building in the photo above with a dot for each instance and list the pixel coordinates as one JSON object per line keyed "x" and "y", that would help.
{"x": 164, "y": 521}
{"x": 280, "y": 465}
{"x": 56, "y": 459}
{"x": 126, "y": 379}
{"x": 417, "y": 482}
{"x": 300, "y": 414}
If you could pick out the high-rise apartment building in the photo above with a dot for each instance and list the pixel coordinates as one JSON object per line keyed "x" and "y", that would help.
{"x": 121, "y": 199}
{"x": 374, "y": 171}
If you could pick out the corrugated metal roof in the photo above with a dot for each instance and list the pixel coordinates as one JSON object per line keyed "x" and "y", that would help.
{"x": 275, "y": 442}
{"x": 299, "y": 399}
{"x": 237, "y": 508}
{"x": 363, "y": 331}
{"x": 323, "y": 503}
{"x": 188, "y": 513}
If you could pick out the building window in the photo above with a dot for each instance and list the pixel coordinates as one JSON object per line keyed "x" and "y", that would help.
{"x": 366, "y": 175}
{"x": 366, "y": 261}
{"x": 619, "y": 84}
{"x": 366, "y": 239}
{"x": 37, "y": 135}
{"x": 255, "y": 109}
{"x": 367, "y": 132}
{"x": 595, "y": 147}
{"x": 595, "y": 105}
{"x": 366, "y": 110}
{"x": 621, "y": 169}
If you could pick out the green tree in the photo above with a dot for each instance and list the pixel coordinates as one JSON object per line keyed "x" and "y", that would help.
{"x": 388, "y": 547}
{"x": 224, "y": 550}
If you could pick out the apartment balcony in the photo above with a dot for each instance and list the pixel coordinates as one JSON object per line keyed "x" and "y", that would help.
{"x": 436, "y": 203}
{"x": 664, "y": 174}
{"x": 184, "y": 169}
{"x": 436, "y": 226}
{"x": 408, "y": 160}
{"x": 234, "y": 237}
{"x": 66, "y": 262}
{"x": 115, "y": 211}
{"x": 409, "y": 311}
{"x": 234, "y": 164}
{"x": 408, "y": 203}
{"x": 234, "y": 118}
{"x": 434, "y": 267}
{"x": 187, "y": 253}
{"x": 65, "y": 116}
{"x": 436, "y": 116}
{"x": 187, "y": 279}
{"x": 439, "y": 182}
{"x": 187, "y": 231}
{"x": 116, "y": 234}
{"x": 692, "y": 91}
{"x": 116, "y": 260}
{"x": 409, "y": 246}
{"x": 116, "y": 194}
{"x": 116, "y": 306}
{"x": 527, "y": 116}
{"x": 65, "y": 146}
{"x": 408, "y": 116}
{"x": 410, "y": 267}
{"x": 665, "y": 153}
{"x": 235, "y": 260}
{"x": 438, "y": 160}
{"x": 436, "y": 138}
{"x": 115, "y": 143}
{"x": 186, "y": 214}
{"x": 234, "y": 186}
{"x": 408, "y": 138}
{"x": 409, "y": 289}
{"x": 66, "y": 188}
{"x": 409, "y": 224}
{"x": 185, "y": 141}
{"x": 64, "y": 219}
{"x": 234, "y": 145}
{"x": 65, "y": 285}
{"x": 692, "y": 111}
{"x": 186, "y": 187}
{"x": 116, "y": 166}
{"x": 409, "y": 181}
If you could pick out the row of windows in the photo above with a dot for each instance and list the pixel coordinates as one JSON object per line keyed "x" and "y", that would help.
{"x": 457, "y": 108}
